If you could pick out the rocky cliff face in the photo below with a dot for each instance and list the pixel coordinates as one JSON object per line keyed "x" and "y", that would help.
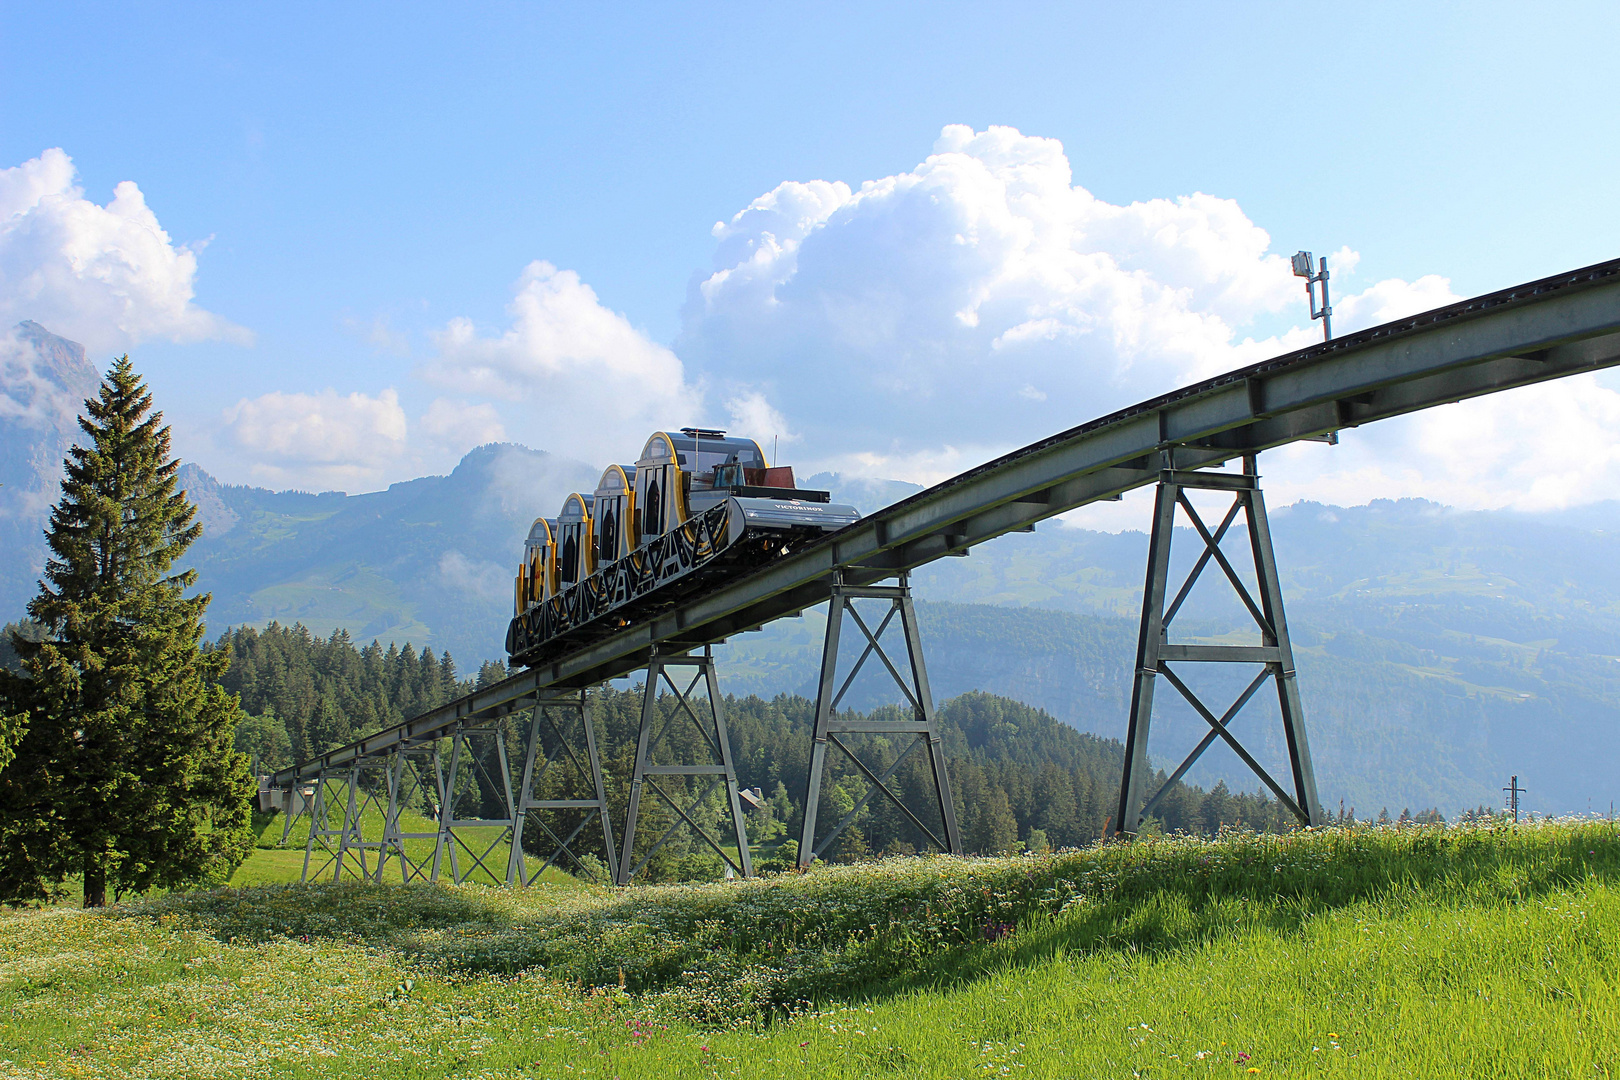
{"x": 44, "y": 380}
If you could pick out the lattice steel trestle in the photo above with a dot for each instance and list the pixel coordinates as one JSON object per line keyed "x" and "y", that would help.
{"x": 468, "y": 806}
{"x": 920, "y": 732}
{"x": 1155, "y": 654}
{"x": 720, "y": 770}
{"x": 1531, "y": 333}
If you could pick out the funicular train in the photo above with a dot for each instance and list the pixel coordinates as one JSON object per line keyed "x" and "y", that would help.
{"x": 696, "y": 507}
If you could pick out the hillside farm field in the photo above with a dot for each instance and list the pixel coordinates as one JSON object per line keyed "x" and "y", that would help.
{"x": 1413, "y": 952}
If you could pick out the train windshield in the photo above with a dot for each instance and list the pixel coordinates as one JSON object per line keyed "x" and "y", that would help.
{"x": 698, "y": 454}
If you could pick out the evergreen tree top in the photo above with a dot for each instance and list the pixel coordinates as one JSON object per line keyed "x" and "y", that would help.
{"x": 121, "y": 522}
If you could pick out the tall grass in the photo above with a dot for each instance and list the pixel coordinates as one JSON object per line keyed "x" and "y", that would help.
{"x": 1414, "y": 952}
{"x": 746, "y": 952}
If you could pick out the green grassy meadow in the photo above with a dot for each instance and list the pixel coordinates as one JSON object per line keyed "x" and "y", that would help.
{"x": 1414, "y": 952}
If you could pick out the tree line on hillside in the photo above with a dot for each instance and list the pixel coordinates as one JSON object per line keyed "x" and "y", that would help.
{"x": 305, "y": 695}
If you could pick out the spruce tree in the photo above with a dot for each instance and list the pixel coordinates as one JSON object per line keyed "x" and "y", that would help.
{"x": 126, "y": 774}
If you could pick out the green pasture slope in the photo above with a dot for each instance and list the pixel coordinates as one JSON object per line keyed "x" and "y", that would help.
{"x": 483, "y": 853}
{"x": 1417, "y": 952}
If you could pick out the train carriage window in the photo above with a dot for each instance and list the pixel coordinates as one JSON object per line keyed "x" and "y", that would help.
{"x": 608, "y": 549}
{"x": 570, "y": 558}
{"x": 652, "y": 515}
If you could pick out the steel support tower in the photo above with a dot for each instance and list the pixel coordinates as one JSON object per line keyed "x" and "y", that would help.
{"x": 1155, "y": 654}
{"x": 415, "y": 775}
{"x": 342, "y": 848}
{"x": 922, "y": 731}
{"x": 476, "y": 837}
{"x": 720, "y": 769}
{"x": 560, "y": 722}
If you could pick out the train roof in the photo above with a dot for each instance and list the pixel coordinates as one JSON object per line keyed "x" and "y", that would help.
{"x": 688, "y": 442}
{"x": 616, "y": 479}
{"x": 587, "y": 502}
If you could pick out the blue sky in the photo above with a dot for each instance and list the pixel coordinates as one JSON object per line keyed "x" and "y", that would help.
{"x": 369, "y": 178}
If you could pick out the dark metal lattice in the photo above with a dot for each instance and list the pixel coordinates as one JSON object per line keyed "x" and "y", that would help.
{"x": 1154, "y": 653}
{"x": 562, "y": 714}
{"x": 920, "y": 732}
{"x": 719, "y": 770}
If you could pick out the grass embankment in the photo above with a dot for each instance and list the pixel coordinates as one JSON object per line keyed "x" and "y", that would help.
{"x": 1419, "y": 952}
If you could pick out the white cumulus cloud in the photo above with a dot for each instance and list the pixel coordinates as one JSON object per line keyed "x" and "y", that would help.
{"x": 1389, "y": 300}
{"x": 587, "y": 383}
{"x": 460, "y": 425}
{"x": 107, "y": 276}
{"x": 975, "y": 301}
{"x": 325, "y": 440}
{"x": 921, "y": 322}
{"x": 752, "y": 416}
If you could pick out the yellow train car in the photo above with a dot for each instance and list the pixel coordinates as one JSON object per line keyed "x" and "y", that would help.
{"x": 617, "y": 532}
{"x": 696, "y": 500}
{"x": 682, "y": 473}
{"x": 658, "y": 486}
{"x": 576, "y": 540}
{"x": 536, "y": 580}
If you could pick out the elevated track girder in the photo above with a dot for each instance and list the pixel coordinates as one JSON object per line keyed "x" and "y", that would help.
{"x": 1542, "y": 330}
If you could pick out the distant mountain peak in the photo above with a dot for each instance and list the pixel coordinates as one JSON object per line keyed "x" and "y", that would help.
{"x": 44, "y": 380}
{"x": 208, "y": 496}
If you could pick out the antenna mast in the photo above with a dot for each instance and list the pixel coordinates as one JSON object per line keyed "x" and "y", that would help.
{"x": 1302, "y": 268}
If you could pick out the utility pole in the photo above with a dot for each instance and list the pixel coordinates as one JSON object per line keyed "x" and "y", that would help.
{"x": 1302, "y": 268}
{"x": 1513, "y": 792}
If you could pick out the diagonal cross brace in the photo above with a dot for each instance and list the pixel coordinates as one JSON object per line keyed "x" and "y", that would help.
{"x": 875, "y": 785}
{"x": 1212, "y": 547}
{"x": 1220, "y": 729}
{"x": 872, "y": 646}
{"x": 1203, "y": 561}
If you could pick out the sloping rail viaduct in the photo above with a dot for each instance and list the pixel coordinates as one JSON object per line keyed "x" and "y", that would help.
{"x": 1531, "y": 333}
